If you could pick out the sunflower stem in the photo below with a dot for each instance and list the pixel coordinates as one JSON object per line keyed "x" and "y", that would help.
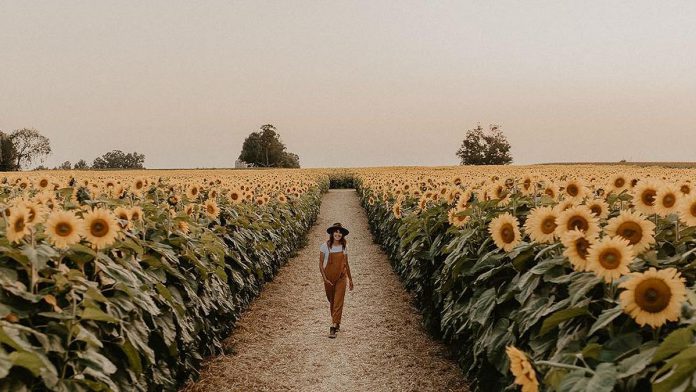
{"x": 564, "y": 366}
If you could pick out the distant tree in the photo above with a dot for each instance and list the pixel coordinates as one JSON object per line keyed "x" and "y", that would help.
{"x": 265, "y": 149}
{"x": 29, "y": 145}
{"x": 65, "y": 166}
{"x": 485, "y": 147}
{"x": 8, "y": 153}
{"x": 117, "y": 159}
{"x": 81, "y": 165}
{"x": 40, "y": 167}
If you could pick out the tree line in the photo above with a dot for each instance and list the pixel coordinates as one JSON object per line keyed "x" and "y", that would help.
{"x": 263, "y": 148}
{"x": 23, "y": 147}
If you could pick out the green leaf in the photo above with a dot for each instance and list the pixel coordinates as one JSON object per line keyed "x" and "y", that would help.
{"x": 604, "y": 378}
{"x": 560, "y": 316}
{"x": 635, "y": 363}
{"x": 605, "y": 318}
{"x": 673, "y": 343}
{"x": 92, "y": 313}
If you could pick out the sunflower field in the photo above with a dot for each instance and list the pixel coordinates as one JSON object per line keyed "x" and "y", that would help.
{"x": 126, "y": 281}
{"x": 559, "y": 278}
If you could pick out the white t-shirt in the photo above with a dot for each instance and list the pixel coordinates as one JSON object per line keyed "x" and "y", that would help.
{"x": 324, "y": 248}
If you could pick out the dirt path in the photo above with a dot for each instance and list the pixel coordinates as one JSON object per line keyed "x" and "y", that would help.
{"x": 281, "y": 343}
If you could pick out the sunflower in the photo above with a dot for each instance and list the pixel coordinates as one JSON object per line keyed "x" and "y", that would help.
{"x": 396, "y": 209}
{"x": 505, "y": 231}
{"x": 236, "y": 196}
{"x": 528, "y": 186}
{"x": 192, "y": 192}
{"x": 43, "y": 183}
{"x": 618, "y": 183}
{"x": 17, "y": 225}
{"x": 610, "y": 257}
{"x": 100, "y": 228}
{"x": 522, "y": 369}
{"x": 35, "y": 211}
{"x": 63, "y": 228}
{"x": 123, "y": 214}
{"x": 541, "y": 225}
{"x": 574, "y": 189}
{"x": 653, "y": 297}
{"x": 183, "y": 226}
{"x": 456, "y": 217}
{"x": 667, "y": 200}
{"x": 577, "y": 247}
{"x": 211, "y": 209}
{"x": 644, "y": 196}
{"x": 282, "y": 199}
{"x": 550, "y": 190}
{"x": 685, "y": 188}
{"x": 136, "y": 214}
{"x": 687, "y": 210}
{"x": 632, "y": 226}
{"x": 577, "y": 218}
{"x": 599, "y": 208}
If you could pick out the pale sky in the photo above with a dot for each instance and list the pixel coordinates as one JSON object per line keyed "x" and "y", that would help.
{"x": 359, "y": 83}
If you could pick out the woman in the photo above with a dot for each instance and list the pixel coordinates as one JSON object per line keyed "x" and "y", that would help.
{"x": 333, "y": 264}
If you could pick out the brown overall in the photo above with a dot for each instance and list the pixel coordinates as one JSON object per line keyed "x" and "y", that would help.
{"x": 335, "y": 271}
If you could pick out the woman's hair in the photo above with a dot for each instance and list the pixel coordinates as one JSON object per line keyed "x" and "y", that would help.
{"x": 329, "y": 243}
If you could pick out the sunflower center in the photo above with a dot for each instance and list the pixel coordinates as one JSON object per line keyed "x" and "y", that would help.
{"x": 648, "y": 197}
{"x": 619, "y": 182}
{"x": 610, "y": 258}
{"x": 596, "y": 209}
{"x": 578, "y": 222}
{"x": 99, "y": 228}
{"x": 572, "y": 190}
{"x": 136, "y": 216}
{"x": 631, "y": 231}
{"x": 64, "y": 229}
{"x": 685, "y": 189}
{"x": 549, "y": 192}
{"x": 653, "y": 295}
{"x": 43, "y": 183}
{"x": 507, "y": 233}
{"x": 669, "y": 200}
{"x": 19, "y": 225}
{"x": 211, "y": 209}
{"x": 581, "y": 246}
{"x": 548, "y": 225}
{"x": 692, "y": 210}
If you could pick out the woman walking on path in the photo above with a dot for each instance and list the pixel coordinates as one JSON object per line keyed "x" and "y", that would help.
{"x": 333, "y": 264}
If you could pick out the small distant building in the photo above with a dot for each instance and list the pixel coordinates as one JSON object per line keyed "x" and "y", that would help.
{"x": 240, "y": 164}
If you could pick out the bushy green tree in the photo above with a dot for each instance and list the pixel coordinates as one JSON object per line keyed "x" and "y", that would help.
{"x": 485, "y": 147}
{"x": 265, "y": 149}
{"x": 117, "y": 159}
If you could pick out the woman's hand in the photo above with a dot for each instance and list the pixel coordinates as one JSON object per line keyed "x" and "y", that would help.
{"x": 328, "y": 282}
{"x": 350, "y": 284}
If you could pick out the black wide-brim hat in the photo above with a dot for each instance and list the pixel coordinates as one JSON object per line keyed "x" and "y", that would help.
{"x": 337, "y": 226}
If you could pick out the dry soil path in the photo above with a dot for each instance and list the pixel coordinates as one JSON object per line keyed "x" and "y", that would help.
{"x": 281, "y": 343}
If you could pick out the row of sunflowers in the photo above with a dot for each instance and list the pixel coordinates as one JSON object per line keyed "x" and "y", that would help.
{"x": 563, "y": 278}
{"x": 127, "y": 280}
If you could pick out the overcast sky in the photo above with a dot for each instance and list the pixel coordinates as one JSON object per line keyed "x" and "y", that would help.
{"x": 359, "y": 83}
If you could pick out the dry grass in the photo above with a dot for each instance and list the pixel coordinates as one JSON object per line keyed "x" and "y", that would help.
{"x": 281, "y": 342}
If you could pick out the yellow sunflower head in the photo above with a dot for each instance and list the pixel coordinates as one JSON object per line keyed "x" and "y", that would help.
{"x": 610, "y": 258}
{"x": 17, "y": 224}
{"x": 687, "y": 210}
{"x": 124, "y": 216}
{"x": 653, "y": 297}
{"x": 100, "y": 228}
{"x": 505, "y": 231}
{"x": 667, "y": 200}
{"x": 578, "y": 217}
{"x": 541, "y": 225}
{"x": 633, "y": 227}
{"x": 457, "y": 218}
{"x": 599, "y": 208}
{"x": 577, "y": 248}
{"x": 522, "y": 369}
{"x": 645, "y": 196}
{"x": 63, "y": 228}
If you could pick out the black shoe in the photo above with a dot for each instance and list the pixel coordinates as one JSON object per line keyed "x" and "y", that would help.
{"x": 332, "y": 332}
{"x": 338, "y": 327}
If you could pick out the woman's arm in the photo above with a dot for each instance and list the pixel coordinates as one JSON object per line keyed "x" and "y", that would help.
{"x": 321, "y": 268}
{"x": 350, "y": 278}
